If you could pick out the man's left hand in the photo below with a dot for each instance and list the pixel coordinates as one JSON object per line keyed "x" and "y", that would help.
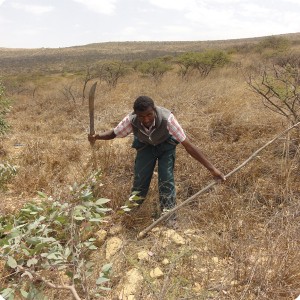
{"x": 218, "y": 176}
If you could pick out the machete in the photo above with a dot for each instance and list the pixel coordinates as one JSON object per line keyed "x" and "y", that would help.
{"x": 92, "y": 110}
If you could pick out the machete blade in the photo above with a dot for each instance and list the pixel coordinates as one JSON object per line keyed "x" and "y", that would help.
{"x": 92, "y": 108}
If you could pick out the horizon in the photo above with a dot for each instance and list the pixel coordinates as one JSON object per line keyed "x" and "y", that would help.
{"x": 157, "y": 41}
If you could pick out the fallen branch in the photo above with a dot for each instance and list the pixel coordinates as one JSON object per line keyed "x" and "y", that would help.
{"x": 143, "y": 233}
{"x": 50, "y": 284}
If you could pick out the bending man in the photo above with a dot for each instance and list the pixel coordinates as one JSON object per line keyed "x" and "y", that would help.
{"x": 156, "y": 135}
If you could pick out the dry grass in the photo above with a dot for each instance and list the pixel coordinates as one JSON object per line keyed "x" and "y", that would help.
{"x": 242, "y": 237}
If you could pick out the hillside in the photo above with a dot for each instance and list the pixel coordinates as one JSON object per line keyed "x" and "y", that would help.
{"x": 12, "y": 61}
{"x": 239, "y": 240}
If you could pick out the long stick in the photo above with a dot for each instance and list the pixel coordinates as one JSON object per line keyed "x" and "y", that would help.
{"x": 143, "y": 233}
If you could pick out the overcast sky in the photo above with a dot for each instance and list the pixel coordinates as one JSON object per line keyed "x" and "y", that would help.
{"x": 63, "y": 23}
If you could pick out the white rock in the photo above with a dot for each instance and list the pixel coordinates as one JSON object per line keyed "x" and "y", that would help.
{"x": 156, "y": 273}
{"x": 190, "y": 232}
{"x": 131, "y": 286}
{"x": 143, "y": 255}
{"x": 234, "y": 282}
{"x": 165, "y": 262}
{"x": 157, "y": 229}
{"x": 215, "y": 259}
{"x": 113, "y": 246}
{"x": 197, "y": 287}
{"x": 115, "y": 230}
{"x": 175, "y": 237}
{"x": 100, "y": 237}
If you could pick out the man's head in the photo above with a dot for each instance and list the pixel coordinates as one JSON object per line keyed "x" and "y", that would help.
{"x": 144, "y": 108}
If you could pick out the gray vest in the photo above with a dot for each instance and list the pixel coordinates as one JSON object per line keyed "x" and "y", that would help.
{"x": 160, "y": 132}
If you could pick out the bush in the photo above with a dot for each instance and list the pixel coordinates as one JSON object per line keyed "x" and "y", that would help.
{"x": 7, "y": 171}
{"x": 273, "y": 45}
{"x": 54, "y": 236}
{"x": 156, "y": 68}
{"x": 4, "y": 108}
{"x": 279, "y": 89}
{"x": 203, "y": 62}
{"x": 111, "y": 72}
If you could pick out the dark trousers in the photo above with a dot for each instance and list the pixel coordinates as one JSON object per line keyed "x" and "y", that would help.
{"x": 146, "y": 158}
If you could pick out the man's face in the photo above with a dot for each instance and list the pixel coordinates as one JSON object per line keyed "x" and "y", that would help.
{"x": 146, "y": 117}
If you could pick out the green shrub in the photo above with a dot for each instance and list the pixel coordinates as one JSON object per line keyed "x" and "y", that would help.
{"x": 53, "y": 235}
{"x": 156, "y": 68}
{"x": 203, "y": 62}
{"x": 7, "y": 171}
{"x": 4, "y": 108}
{"x": 273, "y": 45}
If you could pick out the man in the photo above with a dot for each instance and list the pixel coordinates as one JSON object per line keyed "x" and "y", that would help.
{"x": 156, "y": 135}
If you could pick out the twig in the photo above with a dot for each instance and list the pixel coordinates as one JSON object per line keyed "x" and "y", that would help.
{"x": 50, "y": 284}
{"x": 143, "y": 233}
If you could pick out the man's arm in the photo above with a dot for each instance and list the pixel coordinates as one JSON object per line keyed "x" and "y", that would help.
{"x": 107, "y": 135}
{"x": 199, "y": 156}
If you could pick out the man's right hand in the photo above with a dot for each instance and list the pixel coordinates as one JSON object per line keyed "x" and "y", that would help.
{"x": 107, "y": 135}
{"x": 92, "y": 138}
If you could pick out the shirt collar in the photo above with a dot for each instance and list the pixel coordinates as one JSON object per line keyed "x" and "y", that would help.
{"x": 150, "y": 128}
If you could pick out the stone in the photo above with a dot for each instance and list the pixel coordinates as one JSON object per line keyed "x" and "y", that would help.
{"x": 190, "y": 232}
{"x": 157, "y": 229}
{"x": 197, "y": 287}
{"x": 175, "y": 237}
{"x": 156, "y": 273}
{"x": 143, "y": 255}
{"x": 116, "y": 229}
{"x": 234, "y": 282}
{"x": 113, "y": 246}
{"x": 165, "y": 262}
{"x": 131, "y": 286}
{"x": 215, "y": 259}
{"x": 100, "y": 237}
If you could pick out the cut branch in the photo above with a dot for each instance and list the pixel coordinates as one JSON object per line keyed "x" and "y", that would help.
{"x": 50, "y": 284}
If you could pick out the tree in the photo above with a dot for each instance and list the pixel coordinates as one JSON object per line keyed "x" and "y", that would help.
{"x": 209, "y": 60}
{"x": 156, "y": 68}
{"x": 203, "y": 62}
{"x": 89, "y": 75}
{"x": 272, "y": 45}
{"x": 111, "y": 72}
{"x": 186, "y": 62}
{"x": 279, "y": 87}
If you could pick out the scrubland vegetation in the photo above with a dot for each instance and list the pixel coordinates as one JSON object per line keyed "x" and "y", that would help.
{"x": 240, "y": 240}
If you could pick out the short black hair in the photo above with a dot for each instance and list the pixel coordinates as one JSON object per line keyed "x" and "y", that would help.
{"x": 142, "y": 103}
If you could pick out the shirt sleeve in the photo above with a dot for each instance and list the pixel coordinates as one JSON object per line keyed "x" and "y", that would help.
{"x": 123, "y": 128}
{"x": 175, "y": 129}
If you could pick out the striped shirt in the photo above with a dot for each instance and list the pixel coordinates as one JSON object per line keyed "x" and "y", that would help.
{"x": 125, "y": 127}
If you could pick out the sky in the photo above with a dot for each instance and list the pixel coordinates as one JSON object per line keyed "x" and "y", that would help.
{"x": 64, "y": 23}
